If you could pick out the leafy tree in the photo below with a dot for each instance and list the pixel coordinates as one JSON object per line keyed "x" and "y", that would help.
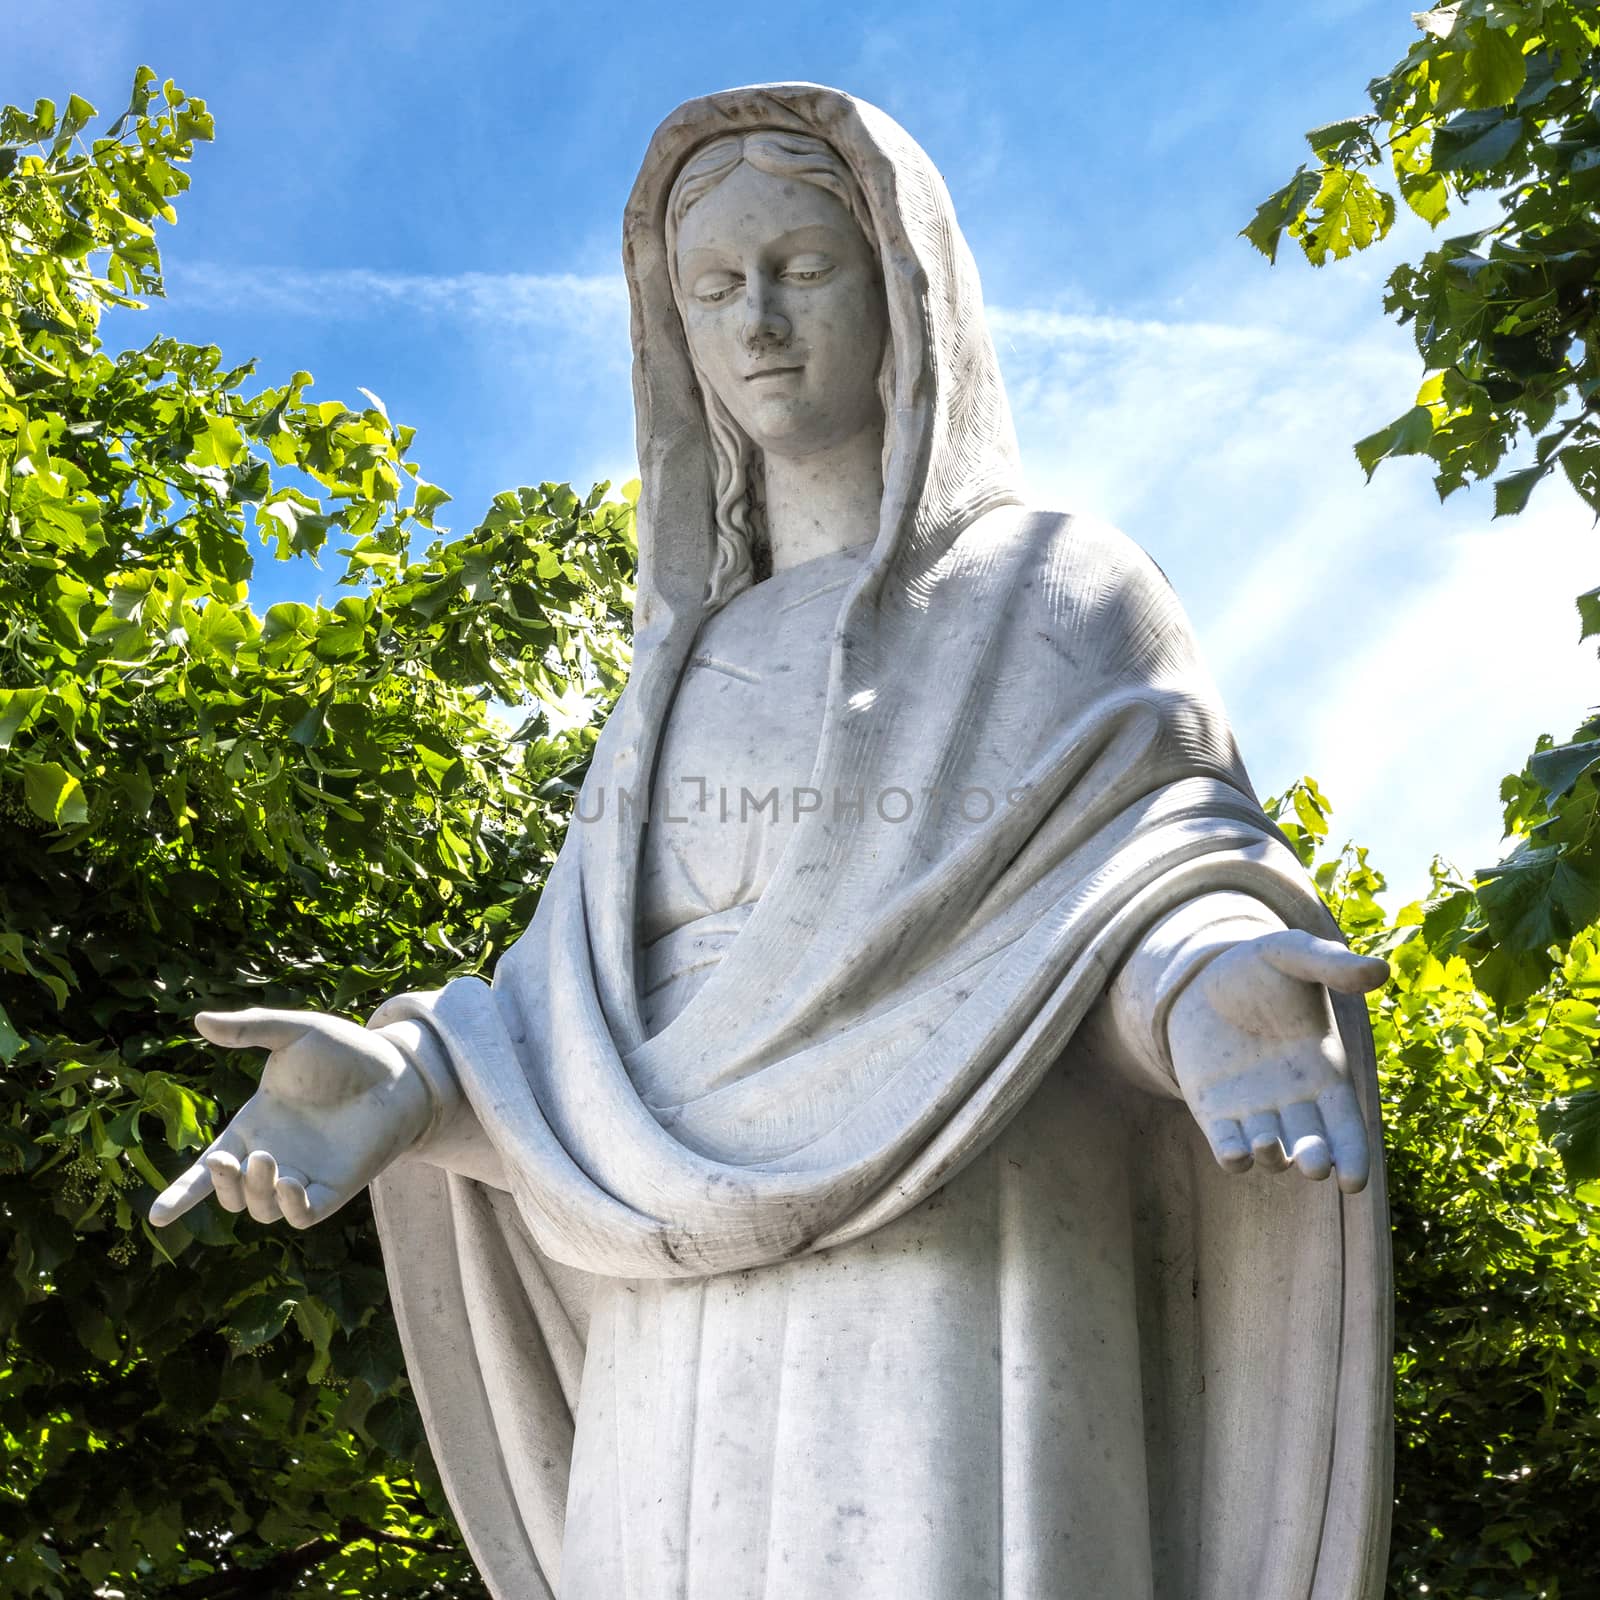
{"x": 204, "y": 807}
{"x": 1497, "y": 1266}
{"x": 1497, "y": 98}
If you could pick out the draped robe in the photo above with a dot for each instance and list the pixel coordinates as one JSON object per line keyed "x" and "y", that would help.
{"x": 840, "y": 1238}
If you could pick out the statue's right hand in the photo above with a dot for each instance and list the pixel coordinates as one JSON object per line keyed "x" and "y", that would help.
{"x": 337, "y": 1103}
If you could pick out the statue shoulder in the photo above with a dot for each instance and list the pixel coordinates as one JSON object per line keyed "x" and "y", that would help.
{"x": 1081, "y": 557}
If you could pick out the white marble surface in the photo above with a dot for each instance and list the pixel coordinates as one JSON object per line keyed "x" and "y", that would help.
{"x": 890, "y": 1163}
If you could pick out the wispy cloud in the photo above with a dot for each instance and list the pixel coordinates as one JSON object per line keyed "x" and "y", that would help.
{"x": 585, "y": 306}
{"x": 1067, "y": 330}
{"x": 1451, "y": 688}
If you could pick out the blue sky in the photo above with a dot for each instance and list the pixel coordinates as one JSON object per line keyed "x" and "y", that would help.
{"x": 425, "y": 200}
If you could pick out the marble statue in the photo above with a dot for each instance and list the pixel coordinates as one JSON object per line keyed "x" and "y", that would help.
{"x": 890, "y": 1164}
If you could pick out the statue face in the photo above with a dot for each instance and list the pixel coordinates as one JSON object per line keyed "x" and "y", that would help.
{"x": 784, "y": 310}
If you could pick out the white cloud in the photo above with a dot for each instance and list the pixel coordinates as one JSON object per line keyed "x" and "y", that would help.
{"x": 1422, "y": 719}
{"x": 593, "y": 306}
{"x": 1065, "y": 331}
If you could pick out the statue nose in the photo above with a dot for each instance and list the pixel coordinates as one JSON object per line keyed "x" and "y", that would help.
{"x": 764, "y": 326}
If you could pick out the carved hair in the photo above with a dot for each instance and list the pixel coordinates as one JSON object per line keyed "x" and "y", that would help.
{"x": 740, "y": 515}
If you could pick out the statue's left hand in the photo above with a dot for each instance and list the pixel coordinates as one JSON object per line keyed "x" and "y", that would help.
{"x": 1259, "y": 1058}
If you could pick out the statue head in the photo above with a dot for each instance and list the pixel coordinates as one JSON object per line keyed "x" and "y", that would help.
{"x": 919, "y": 362}
{"x": 776, "y": 275}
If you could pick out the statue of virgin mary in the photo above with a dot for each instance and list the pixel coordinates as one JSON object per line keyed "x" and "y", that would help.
{"x": 888, "y": 1165}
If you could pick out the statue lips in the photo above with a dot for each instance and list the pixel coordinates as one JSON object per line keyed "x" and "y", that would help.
{"x": 763, "y": 374}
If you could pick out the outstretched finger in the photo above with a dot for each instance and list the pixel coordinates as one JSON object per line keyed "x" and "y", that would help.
{"x": 1265, "y": 1134}
{"x": 260, "y": 1186}
{"x": 226, "y": 1178}
{"x": 1347, "y": 1132}
{"x": 256, "y": 1028}
{"x": 188, "y": 1189}
{"x": 1228, "y": 1145}
{"x": 1307, "y": 1140}
{"x": 1299, "y": 954}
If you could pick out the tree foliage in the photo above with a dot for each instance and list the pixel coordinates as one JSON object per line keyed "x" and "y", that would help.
{"x": 205, "y": 807}
{"x": 1497, "y": 1263}
{"x": 1496, "y": 98}
{"x": 1487, "y": 1035}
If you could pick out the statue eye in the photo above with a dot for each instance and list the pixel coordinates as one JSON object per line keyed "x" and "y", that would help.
{"x": 711, "y": 288}
{"x": 808, "y": 269}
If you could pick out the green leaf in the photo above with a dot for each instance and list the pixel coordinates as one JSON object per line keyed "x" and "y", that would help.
{"x": 1572, "y": 1124}
{"x": 1333, "y": 136}
{"x": 1538, "y": 897}
{"x": 18, "y": 708}
{"x": 1512, "y": 491}
{"x": 1589, "y": 614}
{"x": 1287, "y": 205}
{"x": 1475, "y": 141}
{"x": 1427, "y": 194}
{"x": 1441, "y": 21}
{"x": 11, "y": 1041}
{"x": 316, "y": 1324}
{"x": 298, "y": 529}
{"x": 308, "y": 730}
{"x": 96, "y": 1566}
{"x": 1443, "y": 920}
{"x": 221, "y": 628}
{"x": 250, "y": 480}
{"x": 427, "y": 498}
{"x": 1581, "y": 463}
{"x": 1408, "y": 435}
{"x": 394, "y": 1427}
{"x": 222, "y": 444}
{"x": 54, "y": 794}
{"x": 179, "y": 1110}
{"x": 288, "y": 618}
{"x": 78, "y": 115}
{"x": 1494, "y": 69}
{"x": 259, "y": 1319}
{"x": 1556, "y": 770}
{"x": 1348, "y": 214}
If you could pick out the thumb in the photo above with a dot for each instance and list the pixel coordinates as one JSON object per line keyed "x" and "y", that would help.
{"x": 1303, "y": 955}
{"x": 258, "y": 1027}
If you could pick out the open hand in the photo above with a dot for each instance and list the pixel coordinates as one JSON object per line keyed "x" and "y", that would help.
{"x": 337, "y": 1103}
{"x": 1260, "y": 1061}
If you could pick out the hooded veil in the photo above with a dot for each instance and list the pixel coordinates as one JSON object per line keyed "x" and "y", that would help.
{"x": 905, "y": 981}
